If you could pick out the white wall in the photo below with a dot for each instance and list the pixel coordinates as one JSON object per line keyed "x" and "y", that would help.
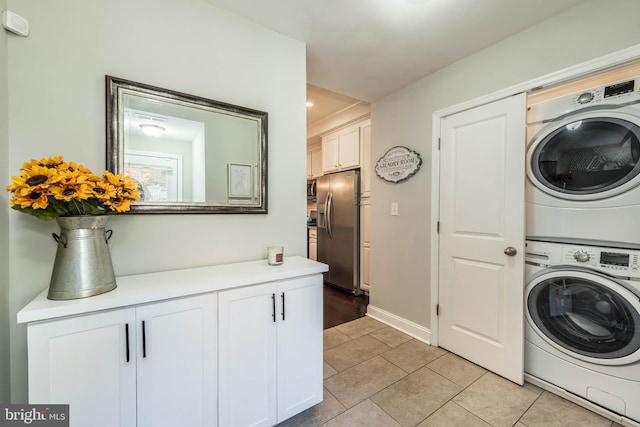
{"x": 4, "y": 224}
{"x": 400, "y": 245}
{"x": 57, "y": 106}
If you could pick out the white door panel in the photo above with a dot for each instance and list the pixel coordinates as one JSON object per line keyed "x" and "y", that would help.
{"x": 481, "y": 214}
{"x": 176, "y": 368}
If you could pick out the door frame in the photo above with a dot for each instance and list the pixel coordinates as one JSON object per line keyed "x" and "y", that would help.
{"x": 620, "y": 58}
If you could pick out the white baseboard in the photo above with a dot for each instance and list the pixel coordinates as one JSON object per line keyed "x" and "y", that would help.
{"x": 408, "y": 327}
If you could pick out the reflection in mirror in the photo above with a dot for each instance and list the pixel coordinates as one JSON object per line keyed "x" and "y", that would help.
{"x": 188, "y": 154}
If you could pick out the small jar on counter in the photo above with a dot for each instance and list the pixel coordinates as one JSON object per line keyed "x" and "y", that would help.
{"x": 275, "y": 255}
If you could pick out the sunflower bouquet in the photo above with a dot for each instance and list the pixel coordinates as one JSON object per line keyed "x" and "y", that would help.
{"x": 50, "y": 188}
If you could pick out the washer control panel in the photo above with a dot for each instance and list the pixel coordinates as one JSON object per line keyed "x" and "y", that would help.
{"x": 614, "y": 261}
{"x": 621, "y": 92}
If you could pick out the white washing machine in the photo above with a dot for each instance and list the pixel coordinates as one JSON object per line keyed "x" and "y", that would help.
{"x": 583, "y": 166}
{"x": 582, "y": 329}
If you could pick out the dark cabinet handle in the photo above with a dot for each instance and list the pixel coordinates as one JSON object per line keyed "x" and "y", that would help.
{"x": 283, "y": 306}
{"x": 126, "y": 332}
{"x": 144, "y": 340}
{"x": 273, "y": 313}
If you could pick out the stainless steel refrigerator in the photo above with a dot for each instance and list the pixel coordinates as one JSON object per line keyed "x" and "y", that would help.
{"x": 338, "y": 221}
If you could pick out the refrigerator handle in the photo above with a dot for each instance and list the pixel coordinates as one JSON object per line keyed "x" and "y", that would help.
{"x": 322, "y": 214}
{"x": 329, "y": 214}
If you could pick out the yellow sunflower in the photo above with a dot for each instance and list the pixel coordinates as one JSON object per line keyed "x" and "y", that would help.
{"x": 31, "y": 198}
{"x": 104, "y": 191}
{"x": 51, "y": 162}
{"x": 125, "y": 185}
{"x": 118, "y": 204}
{"x": 72, "y": 190}
{"x": 34, "y": 177}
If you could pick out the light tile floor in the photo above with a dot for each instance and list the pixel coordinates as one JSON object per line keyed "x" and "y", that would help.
{"x": 375, "y": 375}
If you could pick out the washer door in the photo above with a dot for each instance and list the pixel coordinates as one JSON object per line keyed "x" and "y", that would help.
{"x": 588, "y": 156}
{"x": 586, "y": 315}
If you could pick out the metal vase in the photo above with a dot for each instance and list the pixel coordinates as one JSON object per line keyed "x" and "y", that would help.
{"x": 83, "y": 265}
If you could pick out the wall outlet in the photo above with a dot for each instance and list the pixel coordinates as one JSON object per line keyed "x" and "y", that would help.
{"x": 394, "y": 209}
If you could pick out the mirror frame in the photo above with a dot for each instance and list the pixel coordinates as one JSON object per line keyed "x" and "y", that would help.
{"x": 115, "y": 145}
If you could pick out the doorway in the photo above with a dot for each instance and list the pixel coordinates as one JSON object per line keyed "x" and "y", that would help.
{"x": 342, "y": 307}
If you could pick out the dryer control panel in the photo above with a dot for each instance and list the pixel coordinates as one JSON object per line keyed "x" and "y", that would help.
{"x": 623, "y": 92}
{"x": 614, "y": 261}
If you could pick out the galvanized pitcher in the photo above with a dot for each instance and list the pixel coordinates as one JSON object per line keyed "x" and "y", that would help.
{"x": 83, "y": 265}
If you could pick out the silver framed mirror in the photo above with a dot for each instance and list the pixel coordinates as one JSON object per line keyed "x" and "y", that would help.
{"x": 188, "y": 154}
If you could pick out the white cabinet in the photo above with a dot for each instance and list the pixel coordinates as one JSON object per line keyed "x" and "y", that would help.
{"x": 270, "y": 351}
{"x": 314, "y": 162}
{"x": 154, "y": 365}
{"x": 82, "y": 361}
{"x": 313, "y": 243}
{"x": 365, "y": 214}
{"x": 330, "y": 153}
{"x": 176, "y": 362}
{"x": 341, "y": 150}
{"x": 365, "y": 204}
{"x": 148, "y": 352}
{"x": 365, "y": 161}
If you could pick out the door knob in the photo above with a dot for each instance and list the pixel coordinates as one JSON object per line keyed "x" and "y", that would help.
{"x": 510, "y": 250}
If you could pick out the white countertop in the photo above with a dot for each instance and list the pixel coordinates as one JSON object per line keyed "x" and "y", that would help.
{"x": 151, "y": 287}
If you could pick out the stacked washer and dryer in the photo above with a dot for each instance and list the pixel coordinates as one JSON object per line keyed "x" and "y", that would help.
{"x": 582, "y": 297}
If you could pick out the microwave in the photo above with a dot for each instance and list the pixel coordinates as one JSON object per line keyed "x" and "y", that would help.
{"x": 311, "y": 190}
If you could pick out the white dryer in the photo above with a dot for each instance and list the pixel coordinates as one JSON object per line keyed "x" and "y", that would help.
{"x": 582, "y": 329}
{"x": 583, "y": 166}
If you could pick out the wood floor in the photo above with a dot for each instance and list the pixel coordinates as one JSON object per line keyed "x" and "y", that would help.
{"x": 341, "y": 307}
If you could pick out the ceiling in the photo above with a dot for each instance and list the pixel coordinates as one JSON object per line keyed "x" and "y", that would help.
{"x": 367, "y": 49}
{"x": 327, "y": 104}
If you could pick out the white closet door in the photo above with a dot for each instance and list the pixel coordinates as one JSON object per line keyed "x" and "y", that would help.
{"x": 482, "y": 217}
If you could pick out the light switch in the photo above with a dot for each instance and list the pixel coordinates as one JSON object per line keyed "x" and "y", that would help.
{"x": 394, "y": 209}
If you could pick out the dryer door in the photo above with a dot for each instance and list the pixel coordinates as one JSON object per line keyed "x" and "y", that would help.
{"x": 586, "y": 315}
{"x": 587, "y": 156}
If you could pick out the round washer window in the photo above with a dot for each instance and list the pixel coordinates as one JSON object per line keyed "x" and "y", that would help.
{"x": 585, "y": 317}
{"x": 588, "y": 156}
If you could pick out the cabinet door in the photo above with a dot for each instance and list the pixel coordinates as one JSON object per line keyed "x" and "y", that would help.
{"x": 247, "y": 356}
{"x": 366, "y": 256}
{"x": 299, "y": 345}
{"x": 365, "y": 249}
{"x": 330, "y": 153}
{"x": 316, "y": 162}
{"x": 309, "y": 165}
{"x": 82, "y": 361}
{"x": 349, "y": 148}
{"x": 365, "y": 164}
{"x": 177, "y": 362}
{"x": 313, "y": 249}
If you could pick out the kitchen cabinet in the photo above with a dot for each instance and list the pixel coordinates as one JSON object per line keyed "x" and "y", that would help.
{"x": 365, "y": 161}
{"x": 341, "y": 150}
{"x": 313, "y": 243}
{"x": 153, "y": 365}
{"x": 314, "y": 162}
{"x": 365, "y": 214}
{"x": 365, "y": 205}
{"x": 270, "y": 351}
{"x": 147, "y": 353}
